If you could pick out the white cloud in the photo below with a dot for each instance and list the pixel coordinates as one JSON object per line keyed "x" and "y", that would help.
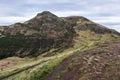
{"x": 111, "y": 19}
{"x": 70, "y": 13}
{"x": 13, "y": 19}
{"x": 47, "y": 1}
{"x": 104, "y": 12}
{"x": 116, "y": 27}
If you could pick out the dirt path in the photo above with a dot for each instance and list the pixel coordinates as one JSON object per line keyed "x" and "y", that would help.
{"x": 102, "y": 63}
{"x": 64, "y": 64}
{"x": 30, "y": 67}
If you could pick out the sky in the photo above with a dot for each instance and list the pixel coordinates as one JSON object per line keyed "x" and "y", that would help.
{"x": 105, "y": 12}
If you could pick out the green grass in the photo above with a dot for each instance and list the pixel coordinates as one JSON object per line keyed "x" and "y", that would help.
{"x": 85, "y": 41}
{"x": 70, "y": 66}
{"x": 40, "y": 72}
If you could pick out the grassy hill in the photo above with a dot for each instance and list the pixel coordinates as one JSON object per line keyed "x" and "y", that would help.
{"x": 48, "y": 47}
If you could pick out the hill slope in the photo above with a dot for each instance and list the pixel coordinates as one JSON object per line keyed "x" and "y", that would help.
{"x": 102, "y": 63}
{"x": 54, "y": 48}
{"x": 44, "y": 32}
{"x": 39, "y": 35}
{"x": 82, "y": 23}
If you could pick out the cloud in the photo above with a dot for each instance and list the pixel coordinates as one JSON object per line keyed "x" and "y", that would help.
{"x": 10, "y": 20}
{"x": 50, "y": 2}
{"x": 105, "y": 19}
{"x": 104, "y": 12}
{"x": 116, "y": 27}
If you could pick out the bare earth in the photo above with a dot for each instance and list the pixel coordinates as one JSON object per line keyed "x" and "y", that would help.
{"x": 102, "y": 63}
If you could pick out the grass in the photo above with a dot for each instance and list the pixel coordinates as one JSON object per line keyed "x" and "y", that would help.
{"x": 60, "y": 74}
{"x": 113, "y": 68}
{"x": 70, "y": 66}
{"x": 43, "y": 70}
{"x": 85, "y": 41}
{"x": 62, "y": 55}
{"x": 19, "y": 68}
{"x": 33, "y": 75}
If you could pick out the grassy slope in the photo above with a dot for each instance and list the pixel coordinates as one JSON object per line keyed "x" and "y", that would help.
{"x": 85, "y": 41}
{"x": 97, "y": 64}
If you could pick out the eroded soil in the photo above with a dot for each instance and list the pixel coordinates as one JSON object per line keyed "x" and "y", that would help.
{"x": 102, "y": 63}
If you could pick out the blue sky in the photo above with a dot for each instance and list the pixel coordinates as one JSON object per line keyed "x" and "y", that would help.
{"x": 106, "y": 12}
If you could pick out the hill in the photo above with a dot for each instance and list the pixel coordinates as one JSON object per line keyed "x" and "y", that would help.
{"x": 44, "y": 32}
{"x": 97, "y": 64}
{"x": 38, "y": 35}
{"x": 48, "y": 47}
